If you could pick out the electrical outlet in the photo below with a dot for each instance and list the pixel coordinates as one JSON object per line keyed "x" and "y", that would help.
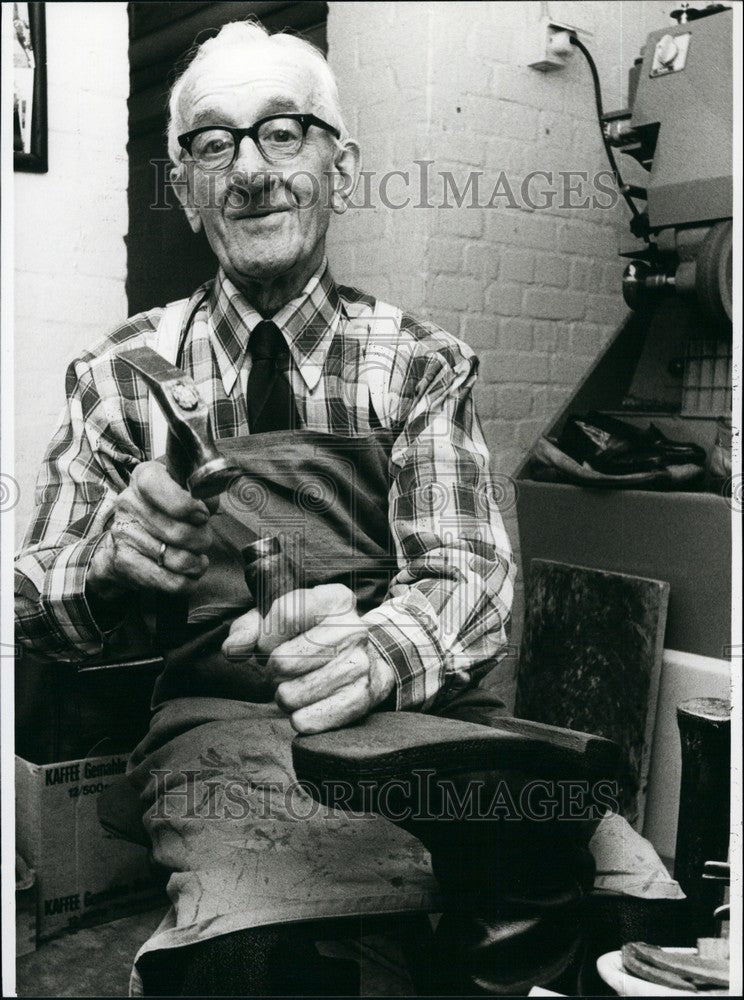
{"x": 550, "y": 45}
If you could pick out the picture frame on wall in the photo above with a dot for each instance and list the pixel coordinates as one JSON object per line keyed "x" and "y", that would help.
{"x": 29, "y": 88}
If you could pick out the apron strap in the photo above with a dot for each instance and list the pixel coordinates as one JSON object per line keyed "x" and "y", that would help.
{"x": 167, "y": 337}
{"x": 379, "y": 353}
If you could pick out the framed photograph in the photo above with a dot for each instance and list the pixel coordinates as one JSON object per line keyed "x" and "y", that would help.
{"x": 29, "y": 88}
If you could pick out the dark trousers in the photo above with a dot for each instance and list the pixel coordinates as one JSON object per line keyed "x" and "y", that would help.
{"x": 280, "y": 960}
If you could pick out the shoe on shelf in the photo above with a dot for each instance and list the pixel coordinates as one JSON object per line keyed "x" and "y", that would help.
{"x": 585, "y": 441}
{"x": 682, "y": 451}
{"x": 613, "y": 447}
{"x": 675, "y": 452}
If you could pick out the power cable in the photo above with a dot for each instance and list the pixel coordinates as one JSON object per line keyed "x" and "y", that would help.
{"x": 600, "y": 118}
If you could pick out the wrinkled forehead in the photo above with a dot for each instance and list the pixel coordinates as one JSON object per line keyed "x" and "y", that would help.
{"x": 239, "y": 84}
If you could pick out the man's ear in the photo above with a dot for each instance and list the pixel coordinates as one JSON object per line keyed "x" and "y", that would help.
{"x": 179, "y": 177}
{"x": 347, "y": 164}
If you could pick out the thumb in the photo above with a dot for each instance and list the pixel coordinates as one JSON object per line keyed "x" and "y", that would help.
{"x": 244, "y": 634}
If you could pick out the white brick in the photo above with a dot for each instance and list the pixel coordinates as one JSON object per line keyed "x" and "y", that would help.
{"x": 613, "y": 276}
{"x": 513, "y": 402}
{"x": 480, "y": 332}
{"x": 517, "y": 367}
{"x": 445, "y": 255}
{"x": 544, "y": 403}
{"x": 588, "y": 241}
{"x": 516, "y": 334}
{"x": 457, "y": 147}
{"x": 458, "y": 221}
{"x": 505, "y": 298}
{"x": 537, "y": 229}
{"x": 446, "y": 318}
{"x": 550, "y": 269}
{"x": 528, "y": 431}
{"x": 578, "y": 15}
{"x": 517, "y": 121}
{"x": 517, "y": 265}
{"x": 504, "y": 154}
{"x": 607, "y": 309}
{"x": 585, "y": 339}
{"x": 456, "y": 294}
{"x": 547, "y": 335}
{"x": 482, "y": 261}
{"x": 466, "y": 77}
{"x": 486, "y": 404}
{"x": 580, "y": 274}
{"x": 555, "y": 131}
{"x": 567, "y": 370}
{"x": 525, "y": 86}
{"x": 552, "y": 304}
{"x": 500, "y": 432}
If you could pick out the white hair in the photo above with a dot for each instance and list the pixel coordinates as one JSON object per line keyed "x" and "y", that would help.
{"x": 250, "y": 34}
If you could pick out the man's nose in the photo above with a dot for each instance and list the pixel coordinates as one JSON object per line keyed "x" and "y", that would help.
{"x": 250, "y": 171}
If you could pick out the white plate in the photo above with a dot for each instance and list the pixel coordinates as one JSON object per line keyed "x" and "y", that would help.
{"x": 610, "y": 968}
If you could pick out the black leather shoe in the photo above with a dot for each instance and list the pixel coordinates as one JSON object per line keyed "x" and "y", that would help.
{"x": 674, "y": 452}
{"x": 680, "y": 451}
{"x": 613, "y": 447}
{"x": 586, "y": 441}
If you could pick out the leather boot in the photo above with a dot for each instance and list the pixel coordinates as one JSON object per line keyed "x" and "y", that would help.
{"x": 512, "y": 878}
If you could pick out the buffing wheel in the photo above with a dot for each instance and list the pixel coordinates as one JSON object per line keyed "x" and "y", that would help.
{"x": 713, "y": 277}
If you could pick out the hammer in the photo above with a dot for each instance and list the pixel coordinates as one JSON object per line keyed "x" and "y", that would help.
{"x": 268, "y": 571}
{"x": 207, "y": 472}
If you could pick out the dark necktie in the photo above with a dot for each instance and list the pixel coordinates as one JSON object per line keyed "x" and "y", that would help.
{"x": 271, "y": 405}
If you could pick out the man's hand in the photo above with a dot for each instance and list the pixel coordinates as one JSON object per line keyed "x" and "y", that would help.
{"x": 313, "y": 646}
{"x": 153, "y": 511}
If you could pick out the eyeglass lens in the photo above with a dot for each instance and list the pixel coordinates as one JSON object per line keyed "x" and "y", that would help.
{"x": 278, "y": 139}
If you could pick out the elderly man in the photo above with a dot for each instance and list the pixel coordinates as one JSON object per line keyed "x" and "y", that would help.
{"x": 310, "y": 386}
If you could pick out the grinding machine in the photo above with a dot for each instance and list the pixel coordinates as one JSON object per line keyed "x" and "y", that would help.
{"x": 678, "y": 126}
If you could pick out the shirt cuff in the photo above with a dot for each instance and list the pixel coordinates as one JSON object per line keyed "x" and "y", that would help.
{"x": 408, "y": 642}
{"x": 66, "y": 605}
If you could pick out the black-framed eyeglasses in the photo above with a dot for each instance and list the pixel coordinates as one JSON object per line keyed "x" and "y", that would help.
{"x": 278, "y": 137}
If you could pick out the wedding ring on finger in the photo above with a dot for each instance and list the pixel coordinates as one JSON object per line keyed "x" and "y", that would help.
{"x": 161, "y": 554}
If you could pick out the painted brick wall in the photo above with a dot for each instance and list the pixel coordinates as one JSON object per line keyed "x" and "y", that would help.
{"x": 70, "y": 223}
{"x": 536, "y": 291}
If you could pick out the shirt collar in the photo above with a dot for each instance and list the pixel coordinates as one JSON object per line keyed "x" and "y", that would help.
{"x": 307, "y": 322}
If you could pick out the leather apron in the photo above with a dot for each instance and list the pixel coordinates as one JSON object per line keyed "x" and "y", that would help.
{"x": 245, "y": 844}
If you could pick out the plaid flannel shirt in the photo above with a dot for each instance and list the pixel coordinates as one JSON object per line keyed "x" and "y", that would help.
{"x": 442, "y": 624}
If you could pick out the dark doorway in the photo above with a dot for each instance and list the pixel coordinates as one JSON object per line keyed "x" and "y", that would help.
{"x": 165, "y": 261}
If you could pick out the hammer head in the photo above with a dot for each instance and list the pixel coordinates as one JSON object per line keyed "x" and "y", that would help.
{"x": 210, "y": 473}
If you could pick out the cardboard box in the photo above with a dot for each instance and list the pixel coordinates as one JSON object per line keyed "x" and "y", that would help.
{"x": 84, "y": 875}
{"x": 25, "y": 908}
